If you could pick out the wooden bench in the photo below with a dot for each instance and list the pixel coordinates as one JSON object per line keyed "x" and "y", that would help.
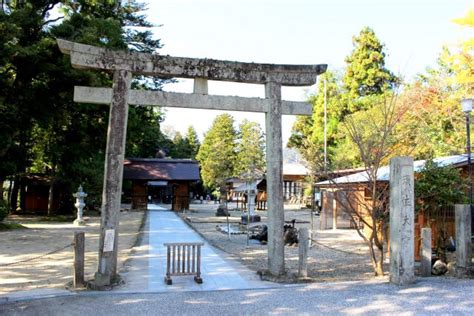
{"x": 183, "y": 259}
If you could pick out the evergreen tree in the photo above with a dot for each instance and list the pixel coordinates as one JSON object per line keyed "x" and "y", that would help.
{"x": 250, "y": 158}
{"x": 308, "y": 132}
{"x": 193, "y": 143}
{"x": 217, "y": 152}
{"x": 41, "y": 129}
{"x": 365, "y": 72}
{"x": 185, "y": 147}
{"x": 179, "y": 147}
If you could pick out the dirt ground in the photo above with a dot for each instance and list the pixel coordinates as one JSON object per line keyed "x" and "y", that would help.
{"x": 46, "y": 253}
{"x": 335, "y": 255}
{"x": 42, "y": 256}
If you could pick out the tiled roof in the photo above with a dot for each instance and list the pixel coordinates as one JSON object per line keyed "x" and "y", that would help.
{"x": 383, "y": 173}
{"x": 295, "y": 169}
{"x": 160, "y": 169}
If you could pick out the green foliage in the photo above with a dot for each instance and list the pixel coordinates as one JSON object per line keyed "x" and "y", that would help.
{"x": 435, "y": 122}
{"x": 144, "y": 136}
{"x": 365, "y": 77}
{"x": 366, "y": 73}
{"x": 185, "y": 147}
{"x": 437, "y": 186}
{"x": 193, "y": 143}
{"x": 217, "y": 153}
{"x": 308, "y": 132}
{"x": 3, "y": 210}
{"x": 370, "y": 134}
{"x": 250, "y": 159}
{"x": 41, "y": 128}
{"x": 11, "y": 226}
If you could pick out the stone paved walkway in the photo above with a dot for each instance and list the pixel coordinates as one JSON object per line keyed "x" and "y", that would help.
{"x": 146, "y": 270}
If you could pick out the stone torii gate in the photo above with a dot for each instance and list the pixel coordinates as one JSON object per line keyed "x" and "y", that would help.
{"x": 123, "y": 64}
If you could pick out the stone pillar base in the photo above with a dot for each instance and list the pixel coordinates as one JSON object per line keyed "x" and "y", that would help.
{"x": 79, "y": 222}
{"x": 465, "y": 273}
{"x": 101, "y": 281}
{"x": 253, "y": 219}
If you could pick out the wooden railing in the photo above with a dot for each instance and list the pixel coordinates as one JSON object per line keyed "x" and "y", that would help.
{"x": 183, "y": 259}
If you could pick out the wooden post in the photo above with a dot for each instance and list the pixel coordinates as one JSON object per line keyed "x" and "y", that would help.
{"x": 79, "y": 242}
{"x": 113, "y": 174}
{"x": 303, "y": 246}
{"x": 426, "y": 252}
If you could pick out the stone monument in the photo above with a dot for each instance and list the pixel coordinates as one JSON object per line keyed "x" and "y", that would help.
{"x": 402, "y": 221}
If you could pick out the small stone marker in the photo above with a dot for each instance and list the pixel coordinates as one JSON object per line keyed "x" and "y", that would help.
{"x": 80, "y": 195}
{"x": 402, "y": 221}
{"x": 463, "y": 239}
{"x": 303, "y": 246}
{"x": 79, "y": 242}
{"x": 426, "y": 252}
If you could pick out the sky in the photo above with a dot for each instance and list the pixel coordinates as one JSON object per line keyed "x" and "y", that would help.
{"x": 296, "y": 32}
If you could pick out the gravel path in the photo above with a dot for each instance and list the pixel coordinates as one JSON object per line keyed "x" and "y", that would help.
{"x": 431, "y": 296}
{"x": 53, "y": 271}
{"x": 338, "y": 255}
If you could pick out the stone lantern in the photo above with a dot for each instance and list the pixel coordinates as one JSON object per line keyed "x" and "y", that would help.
{"x": 250, "y": 216}
{"x": 79, "y": 195}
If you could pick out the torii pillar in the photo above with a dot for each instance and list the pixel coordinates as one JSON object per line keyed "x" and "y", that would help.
{"x": 124, "y": 64}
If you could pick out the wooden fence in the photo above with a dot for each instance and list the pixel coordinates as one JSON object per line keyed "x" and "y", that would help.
{"x": 183, "y": 259}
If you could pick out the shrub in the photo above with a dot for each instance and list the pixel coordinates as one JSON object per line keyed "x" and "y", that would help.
{"x": 3, "y": 210}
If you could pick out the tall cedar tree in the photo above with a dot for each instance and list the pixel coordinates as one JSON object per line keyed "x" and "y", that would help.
{"x": 250, "y": 159}
{"x": 217, "y": 153}
{"x": 365, "y": 73}
{"x": 193, "y": 143}
{"x": 187, "y": 146}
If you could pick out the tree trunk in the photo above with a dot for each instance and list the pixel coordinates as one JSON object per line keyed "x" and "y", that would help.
{"x": 9, "y": 195}
{"x": 379, "y": 263}
{"x": 223, "y": 197}
{"x": 51, "y": 198}
{"x": 2, "y": 180}
{"x": 22, "y": 196}
{"x": 14, "y": 194}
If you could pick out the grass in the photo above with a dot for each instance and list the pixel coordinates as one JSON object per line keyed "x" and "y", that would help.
{"x": 56, "y": 218}
{"x": 11, "y": 226}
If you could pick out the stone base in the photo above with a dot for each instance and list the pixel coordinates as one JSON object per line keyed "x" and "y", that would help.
{"x": 103, "y": 282}
{"x": 288, "y": 278}
{"x": 79, "y": 222}
{"x": 222, "y": 212}
{"x": 253, "y": 219}
{"x": 464, "y": 273}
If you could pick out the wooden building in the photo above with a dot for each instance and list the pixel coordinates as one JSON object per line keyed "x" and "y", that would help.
{"x": 336, "y": 208}
{"x": 294, "y": 177}
{"x": 34, "y": 194}
{"x": 161, "y": 180}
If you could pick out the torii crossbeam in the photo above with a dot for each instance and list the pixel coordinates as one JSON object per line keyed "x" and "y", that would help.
{"x": 124, "y": 64}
